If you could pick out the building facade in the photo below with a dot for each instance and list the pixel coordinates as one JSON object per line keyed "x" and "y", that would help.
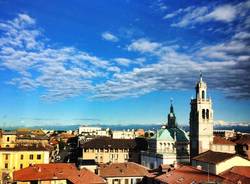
{"x": 169, "y": 145}
{"x": 201, "y": 120}
{"x": 107, "y": 150}
{"x": 12, "y": 159}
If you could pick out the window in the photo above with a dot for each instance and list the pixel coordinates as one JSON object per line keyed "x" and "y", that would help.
{"x": 31, "y": 157}
{"x": 126, "y": 181}
{"x": 116, "y": 181}
{"x": 38, "y": 157}
{"x": 207, "y": 114}
{"x": 21, "y": 157}
{"x": 21, "y": 166}
{"x": 203, "y": 94}
{"x": 6, "y": 157}
{"x": 6, "y": 166}
{"x": 203, "y": 114}
{"x": 8, "y": 139}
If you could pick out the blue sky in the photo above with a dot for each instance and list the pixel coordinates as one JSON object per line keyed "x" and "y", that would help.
{"x": 120, "y": 62}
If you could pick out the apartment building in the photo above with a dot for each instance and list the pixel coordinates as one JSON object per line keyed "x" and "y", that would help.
{"x": 12, "y": 159}
{"x": 105, "y": 150}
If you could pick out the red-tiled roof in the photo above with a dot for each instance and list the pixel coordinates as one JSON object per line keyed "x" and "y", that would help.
{"x": 237, "y": 174}
{"x": 245, "y": 139}
{"x": 221, "y": 140}
{"x": 186, "y": 175}
{"x": 122, "y": 170}
{"x": 213, "y": 157}
{"x": 58, "y": 171}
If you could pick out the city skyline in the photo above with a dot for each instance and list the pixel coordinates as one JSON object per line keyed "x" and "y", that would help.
{"x": 122, "y": 62}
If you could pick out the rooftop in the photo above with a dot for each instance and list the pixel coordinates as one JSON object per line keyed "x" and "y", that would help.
{"x": 105, "y": 142}
{"x": 213, "y": 157}
{"x": 58, "y": 171}
{"x": 221, "y": 140}
{"x": 187, "y": 174}
{"x": 25, "y": 148}
{"x": 122, "y": 170}
{"x": 237, "y": 174}
{"x": 244, "y": 139}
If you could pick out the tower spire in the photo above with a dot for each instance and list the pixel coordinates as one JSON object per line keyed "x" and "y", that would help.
{"x": 171, "y": 116}
{"x": 171, "y": 106}
{"x": 200, "y": 75}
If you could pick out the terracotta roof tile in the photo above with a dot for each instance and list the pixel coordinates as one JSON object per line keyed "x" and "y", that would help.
{"x": 62, "y": 171}
{"x": 213, "y": 157}
{"x": 244, "y": 139}
{"x": 236, "y": 174}
{"x": 122, "y": 169}
{"x": 186, "y": 175}
{"x": 221, "y": 140}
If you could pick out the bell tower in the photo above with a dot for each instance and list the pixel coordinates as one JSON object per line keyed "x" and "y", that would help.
{"x": 201, "y": 120}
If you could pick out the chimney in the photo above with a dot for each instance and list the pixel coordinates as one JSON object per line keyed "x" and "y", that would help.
{"x": 199, "y": 167}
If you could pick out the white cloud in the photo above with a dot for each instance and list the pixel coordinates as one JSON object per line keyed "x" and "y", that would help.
{"x": 222, "y": 13}
{"x": 65, "y": 72}
{"x": 170, "y": 15}
{"x": 109, "y": 37}
{"x": 143, "y": 45}
{"x": 225, "y": 13}
{"x": 26, "y": 18}
{"x": 62, "y": 72}
{"x": 123, "y": 61}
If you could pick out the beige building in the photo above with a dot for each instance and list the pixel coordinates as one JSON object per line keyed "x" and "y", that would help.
{"x": 123, "y": 134}
{"x": 123, "y": 173}
{"x": 106, "y": 150}
{"x": 201, "y": 120}
{"x": 8, "y": 139}
{"x": 218, "y": 162}
{"x": 221, "y": 144}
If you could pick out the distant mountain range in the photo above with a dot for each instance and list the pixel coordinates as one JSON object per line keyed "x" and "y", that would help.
{"x": 238, "y": 128}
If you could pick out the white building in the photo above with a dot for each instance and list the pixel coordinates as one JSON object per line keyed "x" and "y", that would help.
{"x": 123, "y": 134}
{"x": 169, "y": 145}
{"x": 88, "y": 130}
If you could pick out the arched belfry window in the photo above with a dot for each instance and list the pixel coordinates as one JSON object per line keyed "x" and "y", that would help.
{"x": 207, "y": 114}
{"x": 203, "y": 113}
{"x": 203, "y": 94}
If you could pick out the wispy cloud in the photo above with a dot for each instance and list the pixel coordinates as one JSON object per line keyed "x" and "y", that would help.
{"x": 64, "y": 72}
{"x": 143, "y": 45}
{"x": 222, "y": 13}
{"x": 109, "y": 37}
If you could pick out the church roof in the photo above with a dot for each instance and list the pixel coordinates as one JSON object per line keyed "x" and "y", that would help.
{"x": 170, "y": 134}
{"x": 164, "y": 134}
